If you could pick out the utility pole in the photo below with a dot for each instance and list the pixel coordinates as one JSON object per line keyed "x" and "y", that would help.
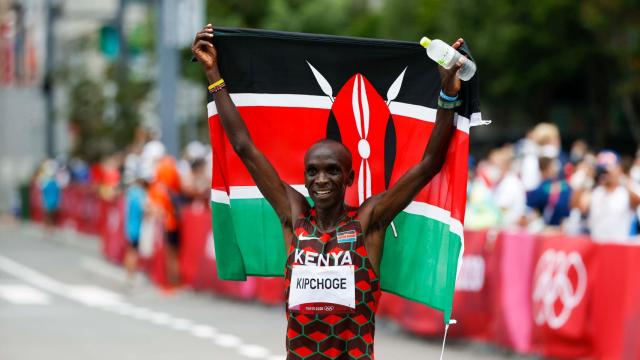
{"x": 123, "y": 51}
{"x": 19, "y": 41}
{"x": 168, "y": 74}
{"x": 52, "y": 14}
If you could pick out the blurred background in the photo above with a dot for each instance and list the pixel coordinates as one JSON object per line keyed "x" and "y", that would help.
{"x": 99, "y": 99}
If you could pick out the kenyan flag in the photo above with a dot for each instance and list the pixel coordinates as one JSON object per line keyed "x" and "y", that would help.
{"x": 377, "y": 97}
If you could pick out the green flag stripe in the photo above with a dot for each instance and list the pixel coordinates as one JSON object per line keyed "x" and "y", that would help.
{"x": 416, "y": 207}
{"x": 255, "y": 231}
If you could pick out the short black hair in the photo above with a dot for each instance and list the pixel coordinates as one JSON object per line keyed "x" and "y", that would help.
{"x": 346, "y": 152}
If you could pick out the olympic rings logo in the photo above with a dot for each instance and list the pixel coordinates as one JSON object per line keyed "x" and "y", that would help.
{"x": 329, "y": 308}
{"x": 553, "y": 286}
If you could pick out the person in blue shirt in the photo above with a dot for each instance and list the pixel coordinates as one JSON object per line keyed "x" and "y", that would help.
{"x": 552, "y": 198}
{"x": 51, "y": 192}
{"x": 135, "y": 204}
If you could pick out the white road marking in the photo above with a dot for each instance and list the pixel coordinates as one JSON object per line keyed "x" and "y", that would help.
{"x": 253, "y": 351}
{"x": 228, "y": 341}
{"x": 33, "y": 277}
{"x": 142, "y": 313}
{"x": 180, "y": 324}
{"x": 160, "y": 318}
{"x": 102, "y": 299}
{"x": 24, "y": 295}
{"x": 93, "y": 296}
{"x": 204, "y": 331}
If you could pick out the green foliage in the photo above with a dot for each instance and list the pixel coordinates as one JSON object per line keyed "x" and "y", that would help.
{"x": 104, "y": 107}
{"x": 87, "y": 109}
{"x": 570, "y": 61}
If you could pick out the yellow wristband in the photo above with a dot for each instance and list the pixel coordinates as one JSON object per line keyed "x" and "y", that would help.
{"x": 212, "y": 86}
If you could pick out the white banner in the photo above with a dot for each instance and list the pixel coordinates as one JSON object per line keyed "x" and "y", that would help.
{"x": 322, "y": 284}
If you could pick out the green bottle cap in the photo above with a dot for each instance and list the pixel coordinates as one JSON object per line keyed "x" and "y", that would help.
{"x": 425, "y": 41}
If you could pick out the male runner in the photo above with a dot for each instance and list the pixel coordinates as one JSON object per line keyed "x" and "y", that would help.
{"x": 334, "y": 251}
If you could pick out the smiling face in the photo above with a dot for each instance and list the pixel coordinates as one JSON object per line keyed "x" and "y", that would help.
{"x": 328, "y": 173}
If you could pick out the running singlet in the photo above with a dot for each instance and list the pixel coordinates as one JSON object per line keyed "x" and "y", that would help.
{"x": 332, "y": 292}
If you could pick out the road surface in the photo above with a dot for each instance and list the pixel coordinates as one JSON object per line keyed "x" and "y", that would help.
{"x": 60, "y": 300}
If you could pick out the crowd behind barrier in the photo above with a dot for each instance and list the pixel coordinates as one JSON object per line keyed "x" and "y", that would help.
{"x": 554, "y": 295}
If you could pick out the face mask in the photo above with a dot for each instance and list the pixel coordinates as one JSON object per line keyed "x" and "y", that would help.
{"x": 492, "y": 173}
{"x": 549, "y": 151}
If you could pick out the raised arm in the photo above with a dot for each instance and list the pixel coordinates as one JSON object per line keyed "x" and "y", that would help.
{"x": 281, "y": 196}
{"x": 383, "y": 208}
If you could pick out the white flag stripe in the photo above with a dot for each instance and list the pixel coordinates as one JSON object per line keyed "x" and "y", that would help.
{"x": 277, "y": 100}
{"x": 220, "y": 197}
{"x": 436, "y": 213}
{"x": 246, "y": 192}
{"x": 24, "y": 295}
{"x": 417, "y": 112}
{"x": 416, "y": 207}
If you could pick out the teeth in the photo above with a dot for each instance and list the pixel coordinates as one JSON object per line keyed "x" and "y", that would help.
{"x": 322, "y": 192}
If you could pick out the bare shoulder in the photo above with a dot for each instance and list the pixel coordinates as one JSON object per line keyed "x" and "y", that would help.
{"x": 366, "y": 210}
{"x": 373, "y": 232}
{"x": 298, "y": 202}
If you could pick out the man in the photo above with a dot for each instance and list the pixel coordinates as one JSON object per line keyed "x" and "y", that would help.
{"x": 613, "y": 202}
{"x": 552, "y": 197}
{"x": 334, "y": 251}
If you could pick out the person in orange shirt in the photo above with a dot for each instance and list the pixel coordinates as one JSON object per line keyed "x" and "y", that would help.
{"x": 164, "y": 194}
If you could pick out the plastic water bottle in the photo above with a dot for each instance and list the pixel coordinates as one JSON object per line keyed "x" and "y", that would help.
{"x": 446, "y": 56}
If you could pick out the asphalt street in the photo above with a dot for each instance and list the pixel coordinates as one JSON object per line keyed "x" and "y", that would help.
{"x": 60, "y": 300}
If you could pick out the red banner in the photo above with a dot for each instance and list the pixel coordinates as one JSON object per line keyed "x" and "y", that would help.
{"x": 510, "y": 271}
{"x": 561, "y": 290}
{"x": 616, "y": 302}
{"x": 471, "y": 303}
{"x": 194, "y": 234}
{"x": 113, "y": 238}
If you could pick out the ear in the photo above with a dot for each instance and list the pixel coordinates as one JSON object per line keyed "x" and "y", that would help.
{"x": 350, "y": 177}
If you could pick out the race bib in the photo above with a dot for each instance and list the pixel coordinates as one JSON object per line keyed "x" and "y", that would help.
{"x": 322, "y": 289}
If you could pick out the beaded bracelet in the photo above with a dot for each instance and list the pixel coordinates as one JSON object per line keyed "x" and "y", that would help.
{"x": 212, "y": 86}
{"x": 448, "y": 105}
{"x": 217, "y": 86}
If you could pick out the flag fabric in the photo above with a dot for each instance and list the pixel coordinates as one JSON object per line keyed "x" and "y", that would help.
{"x": 377, "y": 97}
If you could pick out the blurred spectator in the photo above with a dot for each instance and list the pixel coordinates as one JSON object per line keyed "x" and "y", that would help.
{"x": 509, "y": 193}
{"x": 612, "y": 203}
{"x": 164, "y": 198}
{"x": 579, "y": 149}
{"x": 79, "y": 171}
{"x": 133, "y": 159}
{"x": 482, "y": 210}
{"x": 105, "y": 176}
{"x": 551, "y": 199}
{"x": 51, "y": 192}
{"x": 542, "y": 141}
{"x": 634, "y": 172}
{"x": 194, "y": 174}
{"x": 135, "y": 205}
{"x": 581, "y": 181}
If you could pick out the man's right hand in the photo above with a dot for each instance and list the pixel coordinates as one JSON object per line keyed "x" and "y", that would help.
{"x": 204, "y": 50}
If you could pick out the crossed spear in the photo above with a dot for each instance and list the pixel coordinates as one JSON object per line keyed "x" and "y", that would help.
{"x": 392, "y": 94}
